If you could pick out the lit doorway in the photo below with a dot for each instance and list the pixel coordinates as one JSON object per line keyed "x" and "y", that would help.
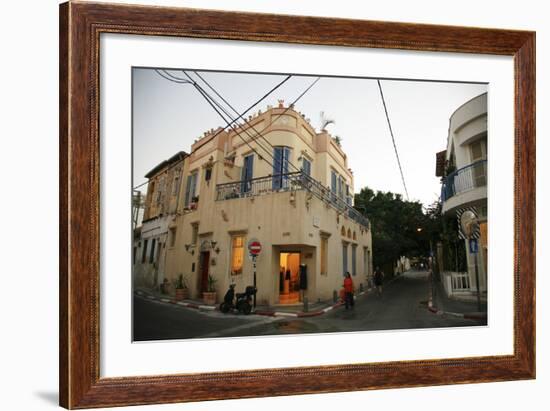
{"x": 289, "y": 278}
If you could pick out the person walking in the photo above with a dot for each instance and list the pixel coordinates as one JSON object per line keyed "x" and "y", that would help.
{"x": 348, "y": 290}
{"x": 378, "y": 280}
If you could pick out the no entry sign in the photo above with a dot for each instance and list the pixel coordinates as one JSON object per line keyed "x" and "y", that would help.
{"x": 254, "y": 247}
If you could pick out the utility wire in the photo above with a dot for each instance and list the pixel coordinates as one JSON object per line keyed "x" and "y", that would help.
{"x": 260, "y": 135}
{"x": 210, "y": 99}
{"x": 171, "y": 77}
{"x": 219, "y": 105}
{"x": 168, "y": 76}
{"x": 393, "y": 139}
{"x": 215, "y": 106}
{"x": 182, "y": 81}
{"x": 246, "y": 127}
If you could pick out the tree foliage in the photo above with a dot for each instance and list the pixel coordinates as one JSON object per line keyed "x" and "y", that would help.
{"x": 399, "y": 227}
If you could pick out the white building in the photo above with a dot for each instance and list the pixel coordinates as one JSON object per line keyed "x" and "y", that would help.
{"x": 463, "y": 168}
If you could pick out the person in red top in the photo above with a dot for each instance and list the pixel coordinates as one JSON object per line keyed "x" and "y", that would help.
{"x": 348, "y": 290}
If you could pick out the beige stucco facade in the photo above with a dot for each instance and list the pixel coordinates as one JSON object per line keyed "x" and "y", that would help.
{"x": 231, "y": 193}
{"x": 161, "y": 206}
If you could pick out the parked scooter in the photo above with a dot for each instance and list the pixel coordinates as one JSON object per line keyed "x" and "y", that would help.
{"x": 227, "y": 304}
{"x": 242, "y": 305}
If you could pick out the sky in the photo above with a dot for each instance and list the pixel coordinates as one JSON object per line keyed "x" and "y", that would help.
{"x": 168, "y": 117}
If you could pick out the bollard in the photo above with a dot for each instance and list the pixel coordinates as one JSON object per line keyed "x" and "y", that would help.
{"x": 334, "y": 296}
{"x": 361, "y": 287}
{"x": 306, "y": 304}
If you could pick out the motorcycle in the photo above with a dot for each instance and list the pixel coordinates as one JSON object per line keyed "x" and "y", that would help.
{"x": 243, "y": 301}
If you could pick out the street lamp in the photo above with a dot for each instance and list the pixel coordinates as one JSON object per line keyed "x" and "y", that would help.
{"x": 469, "y": 224}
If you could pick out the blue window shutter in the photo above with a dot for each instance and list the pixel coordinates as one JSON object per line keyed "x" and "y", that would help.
{"x": 277, "y": 161}
{"x": 286, "y": 159}
{"x": 333, "y": 181}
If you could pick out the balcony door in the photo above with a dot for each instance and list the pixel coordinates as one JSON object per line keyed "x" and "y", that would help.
{"x": 281, "y": 158}
{"x": 477, "y": 154}
{"x": 247, "y": 173}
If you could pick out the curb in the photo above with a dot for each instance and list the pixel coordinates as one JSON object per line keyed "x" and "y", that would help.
{"x": 205, "y": 307}
{"x": 466, "y": 316}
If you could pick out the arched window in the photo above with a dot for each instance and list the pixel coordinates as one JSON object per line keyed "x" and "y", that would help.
{"x": 343, "y": 232}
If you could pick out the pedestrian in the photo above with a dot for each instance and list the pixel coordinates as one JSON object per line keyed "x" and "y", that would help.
{"x": 348, "y": 291}
{"x": 378, "y": 280}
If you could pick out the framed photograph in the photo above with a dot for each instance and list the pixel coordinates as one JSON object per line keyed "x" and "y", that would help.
{"x": 260, "y": 205}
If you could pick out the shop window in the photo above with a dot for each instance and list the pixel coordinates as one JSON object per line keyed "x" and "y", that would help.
{"x": 237, "y": 254}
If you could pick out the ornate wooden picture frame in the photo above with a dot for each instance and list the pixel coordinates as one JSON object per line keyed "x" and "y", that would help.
{"x": 81, "y": 25}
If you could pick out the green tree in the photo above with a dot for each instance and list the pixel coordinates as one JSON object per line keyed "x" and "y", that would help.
{"x": 399, "y": 227}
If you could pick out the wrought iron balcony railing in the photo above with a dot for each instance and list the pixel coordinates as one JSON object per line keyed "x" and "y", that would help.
{"x": 286, "y": 182}
{"x": 464, "y": 179}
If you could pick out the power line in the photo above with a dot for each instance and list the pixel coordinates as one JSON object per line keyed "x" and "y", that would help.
{"x": 213, "y": 104}
{"x": 204, "y": 93}
{"x": 182, "y": 81}
{"x": 168, "y": 76}
{"x": 393, "y": 139}
{"x": 250, "y": 125}
{"x": 260, "y": 133}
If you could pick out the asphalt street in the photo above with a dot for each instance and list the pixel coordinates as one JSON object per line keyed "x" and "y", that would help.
{"x": 402, "y": 305}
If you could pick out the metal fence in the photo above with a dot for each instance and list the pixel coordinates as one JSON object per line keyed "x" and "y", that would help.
{"x": 285, "y": 182}
{"x": 464, "y": 179}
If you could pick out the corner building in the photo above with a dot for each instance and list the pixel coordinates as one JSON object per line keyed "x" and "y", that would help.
{"x": 275, "y": 179}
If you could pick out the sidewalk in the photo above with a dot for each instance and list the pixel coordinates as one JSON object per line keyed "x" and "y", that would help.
{"x": 442, "y": 304}
{"x": 314, "y": 309}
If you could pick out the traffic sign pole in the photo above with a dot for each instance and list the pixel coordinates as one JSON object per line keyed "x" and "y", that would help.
{"x": 254, "y": 282}
{"x": 254, "y": 250}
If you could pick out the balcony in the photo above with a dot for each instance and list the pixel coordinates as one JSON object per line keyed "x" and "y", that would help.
{"x": 464, "y": 185}
{"x": 288, "y": 182}
{"x": 465, "y": 179}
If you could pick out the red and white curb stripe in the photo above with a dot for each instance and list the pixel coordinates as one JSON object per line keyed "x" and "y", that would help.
{"x": 458, "y": 315}
{"x": 259, "y": 312}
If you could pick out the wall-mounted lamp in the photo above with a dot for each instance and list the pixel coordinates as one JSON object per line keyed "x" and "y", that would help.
{"x": 213, "y": 243}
